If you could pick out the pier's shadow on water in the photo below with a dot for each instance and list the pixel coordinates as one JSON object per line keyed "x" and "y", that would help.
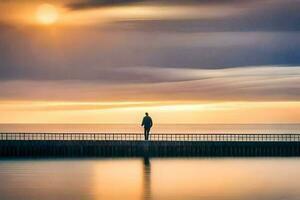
{"x": 147, "y": 179}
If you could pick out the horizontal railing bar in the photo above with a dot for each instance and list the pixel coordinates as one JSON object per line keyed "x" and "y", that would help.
{"x": 153, "y": 133}
{"x": 97, "y": 133}
{"x": 66, "y": 136}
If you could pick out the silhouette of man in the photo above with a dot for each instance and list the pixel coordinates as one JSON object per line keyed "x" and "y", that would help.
{"x": 147, "y": 123}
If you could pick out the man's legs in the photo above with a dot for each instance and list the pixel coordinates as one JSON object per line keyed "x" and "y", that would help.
{"x": 145, "y": 133}
{"x": 148, "y": 133}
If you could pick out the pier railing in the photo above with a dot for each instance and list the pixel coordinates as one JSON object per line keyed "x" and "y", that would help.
{"x": 153, "y": 137}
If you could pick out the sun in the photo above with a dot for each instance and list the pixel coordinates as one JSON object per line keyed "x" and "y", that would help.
{"x": 47, "y": 14}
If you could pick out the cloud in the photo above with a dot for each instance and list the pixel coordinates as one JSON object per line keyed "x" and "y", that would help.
{"x": 88, "y": 4}
{"x": 205, "y": 16}
{"x": 110, "y": 56}
{"x": 269, "y": 83}
{"x": 254, "y": 16}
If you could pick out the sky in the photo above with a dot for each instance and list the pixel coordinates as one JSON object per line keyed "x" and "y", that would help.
{"x": 183, "y": 61}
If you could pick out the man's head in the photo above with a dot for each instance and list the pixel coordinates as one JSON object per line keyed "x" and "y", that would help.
{"x": 146, "y": 114}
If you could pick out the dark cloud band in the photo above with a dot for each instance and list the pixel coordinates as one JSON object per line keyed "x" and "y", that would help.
{"x": 87, "y": 4}
{"x": 98, "y": 3}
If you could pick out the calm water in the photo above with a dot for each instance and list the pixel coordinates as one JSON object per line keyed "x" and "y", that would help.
{"x": 158, "y": 128}
{"x": 226, "y": 178}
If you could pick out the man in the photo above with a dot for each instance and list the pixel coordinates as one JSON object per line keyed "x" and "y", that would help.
{"x": 147, "y": 123}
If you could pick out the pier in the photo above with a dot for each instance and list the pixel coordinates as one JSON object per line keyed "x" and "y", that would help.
{"x": 159, "y": 145}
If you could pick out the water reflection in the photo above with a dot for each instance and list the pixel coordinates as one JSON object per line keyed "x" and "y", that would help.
{"x": 147, "y": 178}
{"x": 116, "y": 179}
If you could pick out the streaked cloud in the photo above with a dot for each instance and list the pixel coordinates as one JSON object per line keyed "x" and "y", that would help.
{"x": 89, "y": 4}
{"x": 111, "y": 56}
{"x": 251, "y": 83}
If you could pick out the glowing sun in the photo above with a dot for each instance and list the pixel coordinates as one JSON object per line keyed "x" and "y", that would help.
{"x": 46, "y": 14}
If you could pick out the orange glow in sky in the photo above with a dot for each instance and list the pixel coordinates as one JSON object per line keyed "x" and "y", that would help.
{"x": 47, "y": 14}
{"x": 162, "y": 112}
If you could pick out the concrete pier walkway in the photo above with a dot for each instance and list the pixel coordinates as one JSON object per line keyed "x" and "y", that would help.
{"x": 133, "y": 145}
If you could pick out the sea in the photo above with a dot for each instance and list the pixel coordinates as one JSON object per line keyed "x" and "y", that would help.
{"x": 157, "y": 128}
{"x": 150, "y": 179}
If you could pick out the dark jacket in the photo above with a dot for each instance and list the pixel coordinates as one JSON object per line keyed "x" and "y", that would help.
{"x": 147, "y": 122}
